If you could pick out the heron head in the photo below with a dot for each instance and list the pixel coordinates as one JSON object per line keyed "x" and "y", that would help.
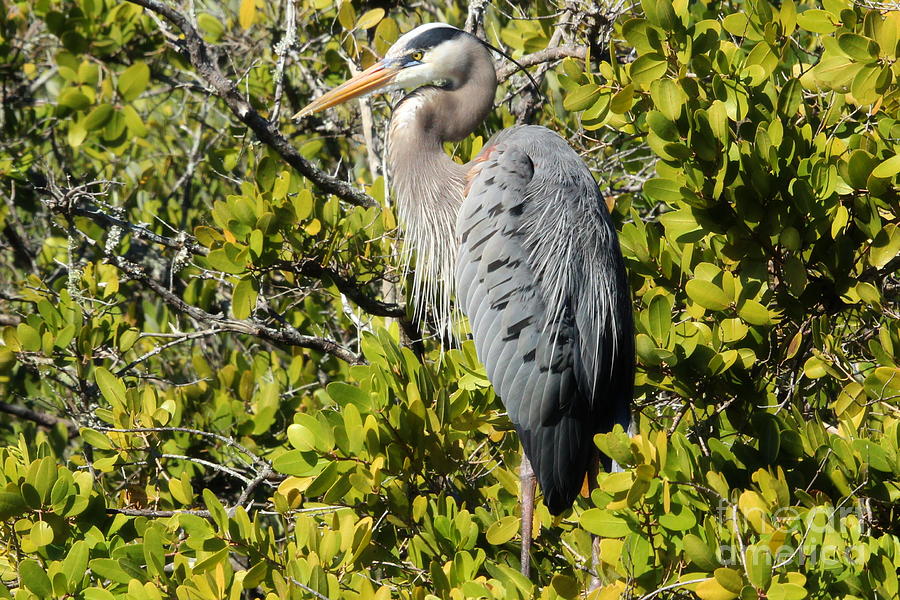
{"x": 436, "y": 53}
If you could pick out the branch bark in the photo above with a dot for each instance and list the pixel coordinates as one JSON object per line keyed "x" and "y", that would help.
{"x": 202, "y": 57}
{"x": 42, "y": 419}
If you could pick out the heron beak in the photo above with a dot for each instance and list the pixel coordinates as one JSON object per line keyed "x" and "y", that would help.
{"x": 374, "y": 78}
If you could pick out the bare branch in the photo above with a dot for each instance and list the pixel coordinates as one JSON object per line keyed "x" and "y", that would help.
{"x": 182, "y": 338}
{"x": 224, "y": 439}
{"x": 347, "y": 286}
{"x": 542, "y": 56}
{"x": 156, "y": 514}
{"x": 42, "y": 419}
{"x": 283, "y": 335}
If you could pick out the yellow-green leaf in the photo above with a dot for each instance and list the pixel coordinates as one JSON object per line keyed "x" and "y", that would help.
{"x": 247, "y": 14}
{"x": 603, "y": 523}
{"x": 503, "y": 530}
{"x": 888, "y": 168}
{"x": 112, "y": 388}
{"x": 370, "y": 18}
{"x": 33, "y": 576}
{"x": 648, "y": 68}
{"x": 133, "y": 81}
{"x": 707, "y": 294}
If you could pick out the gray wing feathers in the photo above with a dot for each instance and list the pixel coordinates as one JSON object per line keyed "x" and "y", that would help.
{"x": 538, "y": 272}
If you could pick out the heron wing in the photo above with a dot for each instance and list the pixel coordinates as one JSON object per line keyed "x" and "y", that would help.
{"x": 538, "y": 326}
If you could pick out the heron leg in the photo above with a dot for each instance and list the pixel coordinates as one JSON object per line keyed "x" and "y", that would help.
{"x": 528, "y": 483}
{"x": 593, "y": 471}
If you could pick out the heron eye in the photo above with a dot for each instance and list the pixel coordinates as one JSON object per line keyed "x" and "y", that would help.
{"x": 417, "y": 55}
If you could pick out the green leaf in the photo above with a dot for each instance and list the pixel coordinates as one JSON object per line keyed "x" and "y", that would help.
{"x": 817, "y": 21}
{"x": 301, "y": 437}
{"x": 660, "y": 13}
{"x": 28, "y": 337}
{"x": 859, "y": 166}
{"x": 681, "y": 226}
{"x": 211, "y": 26}
{"x": 75, "y": 564}
{"x": 885, "y": 247}
{"x": 604, "y": 523}
{"x": 814, "y": 368}
{"x": 33, "y": 576}
{"x": 737, "y": 23}
{"x": 648, "y": 68}
{"x": 219, "y": 260}
{"x": 764, "y": 56}
{"x": 635, "y": 31}
{"x": 754, "y": 313}
{"x": 595, "y": 116}
{"x": 668, "y": 97}
{"x": 698, "y": 552}
{"x": 98, "y": 117}
{"x": 622, "y": 100}
{"x": 663, "y": 190}
{"x": 758, "y": 558}
{"x": 713, "y": 590}
{"x": 41, "y": 534}
{"x": 112, "y": 388}
{"x": 95, "y": 439}
{"x": 370, "y": 18}
{"x": 154, "y": 555}
{"x": 582, "y": 97}
{"x": 133, "y": 81}
{"x": 108, "y": 568}
{"x": 707, "y": 294}
{"x": 344, "y": 394}
{"x": 888, "y": 168}
{"x": 680, "y": 518}
{"x": 858, "y": 47}
{"x": 98, "y": 594}
{"x": 503, "y": 530}
{"x": 863, "y": 85}
{"x": 347, "y": 15}
{"x": 74, "y": 99}
{"x": 295, "y": 462}
{"x": 730, "y": 579}
{"x": 565, "y": 586}
{"x": 660, "y": 317}
{"x": 243, "y": 298}
{"x": 133, "y": 121}
{"x": 76, "y": 134}
{"x": 11, "y": 505}
{"x": 785, "y": 591}
{"x": 790, "y": 97}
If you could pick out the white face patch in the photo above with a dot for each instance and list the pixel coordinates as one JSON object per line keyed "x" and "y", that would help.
{"x": 441, "y": 63}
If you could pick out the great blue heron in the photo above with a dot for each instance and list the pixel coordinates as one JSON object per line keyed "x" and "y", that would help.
{"x": 525, "y": 234}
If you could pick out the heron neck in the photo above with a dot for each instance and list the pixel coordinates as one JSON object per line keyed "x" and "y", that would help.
{"x": 428, "y": 185}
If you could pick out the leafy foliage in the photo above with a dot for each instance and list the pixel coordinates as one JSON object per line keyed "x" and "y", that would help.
{"x": 210, "y": 388}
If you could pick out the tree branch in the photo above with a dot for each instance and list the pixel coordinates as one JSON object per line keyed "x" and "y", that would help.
{"x": 42, "y": 419}
{"x": 541, "y": 56}
{"x": 202, "y": 56}
{"x": 348, "y": 287}
{"x": 285, "y": 335}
